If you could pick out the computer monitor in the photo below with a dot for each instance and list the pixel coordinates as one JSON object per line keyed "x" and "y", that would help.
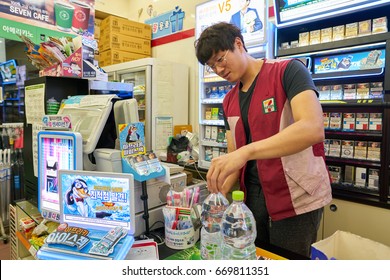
{"x": 56, "y": 150}
{"x": 97, "y": 200}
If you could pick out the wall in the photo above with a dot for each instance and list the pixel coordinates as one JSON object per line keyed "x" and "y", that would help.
{"x": 121, "y": 8}
{"x": 181, "y": 51}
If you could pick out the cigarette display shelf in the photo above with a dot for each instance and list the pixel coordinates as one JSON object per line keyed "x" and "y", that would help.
{"x": 313, "y": 54}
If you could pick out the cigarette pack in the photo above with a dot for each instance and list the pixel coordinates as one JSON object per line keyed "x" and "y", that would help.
{"x": 375, "y": 122}
{"x": 315, "y": 37}
{"x": 326, "y": 120}
{"x": 214, "y": 113}
{"x": 208, "y": 154}
{"x": 285, "y": 45}
{"x": 349, "y": 91}
{"x": 360, "y": 176}
{"x": 326, "y": 146}
{"x": 336, "y": 92}
{"x": 215, "y": 152}
{"x": 335, "y": 173}
{"x": 338, "y": 32}
{"x": 304, "y": 39}
{"x": 365, "y": 27}
{"x": 324, "y": 92}
{"x": 374, "y": 151}
{"x": 326, "y": 35}
{"x": 334, "y": 148}
{"x": 349, "y": 174}
{"x": 360, "y": 150}
{"x": 347, "y": 149}
{"x": 207, "y": 132}
{"x": 294, "y": 44}
{"x": 214, "y": 133}
{"x": 379, "y": 25}
{"x": 208, "y": 114}
{"x": 363, "y": 91}
{"x": 348, "y": 121}
{"x": 376, "y": 90}
{"x": 335, "y": 121}
{"x": 361, "y": 121}
{"x": 373, "y": 179}
{"x": 351, "y": 30}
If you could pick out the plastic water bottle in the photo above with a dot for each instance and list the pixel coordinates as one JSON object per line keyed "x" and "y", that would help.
{"x": 213, "y": 208}
{"x": 238, "y": 230}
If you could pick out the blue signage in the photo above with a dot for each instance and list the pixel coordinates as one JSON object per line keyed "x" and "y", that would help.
{"x": 167, "y": 23}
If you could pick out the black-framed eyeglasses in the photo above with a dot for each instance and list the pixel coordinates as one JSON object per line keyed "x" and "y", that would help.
{"x": 221, "y": 62}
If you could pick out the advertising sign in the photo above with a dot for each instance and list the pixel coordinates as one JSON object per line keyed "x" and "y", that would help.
{"x": 249, "y": 16}
{"x": 167, "y": 23}
{"x": 38, "y": 19}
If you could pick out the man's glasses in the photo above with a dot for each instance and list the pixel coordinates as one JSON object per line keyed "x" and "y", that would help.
{"x": 221, "y": 62}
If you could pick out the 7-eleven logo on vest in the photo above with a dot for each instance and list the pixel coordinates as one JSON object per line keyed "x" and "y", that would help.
{"x": 269, "y": 105}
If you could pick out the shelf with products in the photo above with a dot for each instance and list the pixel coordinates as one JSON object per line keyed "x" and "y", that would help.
{"x": 26, "y": 213}
{"x": 12, "y": 106}
{"x": 26, "y": 219}
{"x": 354, "y": 87}
{"x": 212, "y": 133}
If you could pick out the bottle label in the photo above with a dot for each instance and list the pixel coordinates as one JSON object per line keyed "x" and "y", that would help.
{"x": 17, "y": 182}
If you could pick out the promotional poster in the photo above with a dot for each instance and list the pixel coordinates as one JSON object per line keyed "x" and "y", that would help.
{"x": 32, "y": 18}
{"x": 249, "y": 16}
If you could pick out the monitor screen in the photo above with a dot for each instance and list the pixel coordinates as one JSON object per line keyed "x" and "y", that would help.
{"x": 293, "y": 12}
{"x": 8, "y": 71}
{"x": 97, "y": 200}
{"x": 56, "y": 150}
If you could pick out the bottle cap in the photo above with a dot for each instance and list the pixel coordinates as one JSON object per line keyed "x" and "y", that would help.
{"x": 238, "y": 195}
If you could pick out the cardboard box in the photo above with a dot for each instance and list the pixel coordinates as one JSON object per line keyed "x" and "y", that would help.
{"x": 110, "y": 57}
{"x": 126, "y": 27}
{"x": 121, "y": 42}
{"x": 348, "y": 246}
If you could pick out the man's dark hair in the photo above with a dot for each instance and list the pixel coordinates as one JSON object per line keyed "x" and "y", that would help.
{"x": 215, "y": 38}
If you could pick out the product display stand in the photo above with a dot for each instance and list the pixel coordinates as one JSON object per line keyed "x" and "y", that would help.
{"x": 145, "y": 216}
{"x": 144, "y": 197}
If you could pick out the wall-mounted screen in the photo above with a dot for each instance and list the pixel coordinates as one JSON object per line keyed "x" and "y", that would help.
{"x": 293, "y": 12}
{"x": 56, "y": 150}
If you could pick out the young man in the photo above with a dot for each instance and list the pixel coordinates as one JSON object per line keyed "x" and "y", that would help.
{"x": 275, "y": 133}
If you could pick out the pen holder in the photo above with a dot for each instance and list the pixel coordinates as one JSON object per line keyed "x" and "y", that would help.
{"x": 181, "y": 239}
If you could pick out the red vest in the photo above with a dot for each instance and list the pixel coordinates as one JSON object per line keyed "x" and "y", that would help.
{"x": 294, "y": 184}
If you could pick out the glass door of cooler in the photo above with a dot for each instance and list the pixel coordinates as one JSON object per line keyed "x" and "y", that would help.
{"x": 140, "y": 77}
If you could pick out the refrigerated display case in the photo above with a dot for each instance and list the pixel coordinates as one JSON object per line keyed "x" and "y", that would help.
{"x": 161, "y": 90}
{"x": 212, "y": 88}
